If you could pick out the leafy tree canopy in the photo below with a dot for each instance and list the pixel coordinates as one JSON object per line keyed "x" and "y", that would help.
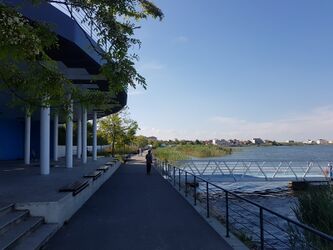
{"x": 118, "y": 129}
{"x": 33, "y": 77}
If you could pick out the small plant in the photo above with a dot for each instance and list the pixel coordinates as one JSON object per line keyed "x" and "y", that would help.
{"x": 314, "y": 208}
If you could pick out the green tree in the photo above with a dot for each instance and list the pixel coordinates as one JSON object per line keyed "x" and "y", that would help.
{"x": 33, "y": 78}
{"x": 141, "y": 141}
{"x": 118, "y": 129}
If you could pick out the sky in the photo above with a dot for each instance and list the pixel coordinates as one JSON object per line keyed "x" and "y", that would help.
{"x": 237, "y": 69}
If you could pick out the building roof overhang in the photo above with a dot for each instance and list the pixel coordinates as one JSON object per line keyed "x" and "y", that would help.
{"x": 74, "y": 52}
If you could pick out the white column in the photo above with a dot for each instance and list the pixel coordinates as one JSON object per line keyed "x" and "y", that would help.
{"x": 95, "y": 136}
{"x": 79, "y": 135}
{"x": 45, "y": 141}
{"x": 55, "y": 137}
{"x": 69, "y": 138}
{"x": 27, "y": 139}
{"x": 84, "y": 136}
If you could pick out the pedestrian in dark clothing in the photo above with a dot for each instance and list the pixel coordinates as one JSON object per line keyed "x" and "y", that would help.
{"x": 149, "y": 161}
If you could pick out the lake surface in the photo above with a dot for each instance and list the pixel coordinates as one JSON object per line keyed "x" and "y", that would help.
{"x": 274, "y": 195}
{"x": 289, "y": 153}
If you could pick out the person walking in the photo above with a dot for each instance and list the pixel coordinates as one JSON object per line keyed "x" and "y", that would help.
{"x": 149, "y": 161}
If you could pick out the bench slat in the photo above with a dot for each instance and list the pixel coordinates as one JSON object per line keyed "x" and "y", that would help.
{"x": 103, "y": 168}
{"x": 75, "y": 187}
{"x": 95, "y": 174}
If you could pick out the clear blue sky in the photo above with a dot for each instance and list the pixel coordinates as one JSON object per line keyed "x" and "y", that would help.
{"x": 237, "y": 69}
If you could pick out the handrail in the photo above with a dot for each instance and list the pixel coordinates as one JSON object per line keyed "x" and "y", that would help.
{"x": 256, "y": 160}
{"x": 326, "y": 236}
{"x": 261, "y": 207}
{"x": 242, "y": 169}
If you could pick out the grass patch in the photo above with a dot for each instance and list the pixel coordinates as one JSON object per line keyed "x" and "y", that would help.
{"x": 314, "y": 208}
{"x": 183, "y": 152}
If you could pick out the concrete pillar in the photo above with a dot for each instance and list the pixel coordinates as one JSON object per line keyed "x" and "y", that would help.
{"x": 45, "y": 140}
{"x": 79, "y": 135}
{"x": 84, "y": 136}
{"x": 27, "y": 135}
{"x": 55, "y": 137}
{"x": 95, "y": 136}
{"x": 69, "y": 138}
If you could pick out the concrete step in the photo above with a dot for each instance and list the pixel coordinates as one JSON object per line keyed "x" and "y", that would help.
{"x": 16, "y": 232}
{"x": 5, "y": 208}
{"x": 11, "y": 218}
{"x": 37, "y": 238}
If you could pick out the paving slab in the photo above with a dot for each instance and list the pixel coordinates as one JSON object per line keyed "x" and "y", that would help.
{"x": 135, "y": 211}
{"x": 20, "y": 183}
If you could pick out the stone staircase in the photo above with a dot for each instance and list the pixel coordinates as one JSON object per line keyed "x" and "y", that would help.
{"x": 20, "y": 230}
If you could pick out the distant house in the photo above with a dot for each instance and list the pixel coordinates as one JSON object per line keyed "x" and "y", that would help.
{"x": 322, "y": 142}
{"x": 221, "y": 142}
{"x": 290, "y": 141}
{"x": 257, "y": 141}
{"x": 309, "y": 141}
{"x": 234, "y": 142}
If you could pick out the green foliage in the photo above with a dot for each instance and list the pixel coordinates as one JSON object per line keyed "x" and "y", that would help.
{"x": 118, "y": 129}
{"x": 170, "y": 154}
{"x": 141, "y": 141}
{"x": 314, "y": 208}
{"x": 182, "y": 152}
{"x": 33, "y": 78}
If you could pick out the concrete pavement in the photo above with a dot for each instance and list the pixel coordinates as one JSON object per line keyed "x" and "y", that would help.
{"x": 135, "y": 211}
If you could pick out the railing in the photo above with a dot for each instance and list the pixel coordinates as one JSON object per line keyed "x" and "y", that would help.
{"x": 258, "y": 226}
{"x": 258, "y": 170}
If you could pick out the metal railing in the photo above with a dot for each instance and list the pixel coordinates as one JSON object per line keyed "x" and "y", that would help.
{"x": 259, "y": 170}
{"x": 258, "y": 226}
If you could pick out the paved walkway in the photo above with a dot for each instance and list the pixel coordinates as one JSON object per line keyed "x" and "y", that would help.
{"x": 135, "y": 211}
{"x": 20, "y": 183}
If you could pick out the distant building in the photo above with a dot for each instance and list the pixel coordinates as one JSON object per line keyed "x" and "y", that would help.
{"x": 330, "y": 142}
{"x": 309, "y": 141}
{"x": 221, "y": 142}
{"x": 257, "y": 141}
{"x": 290, "y": 141}
{"x": 322, "y": 142}
{"x": 234, "y": 142}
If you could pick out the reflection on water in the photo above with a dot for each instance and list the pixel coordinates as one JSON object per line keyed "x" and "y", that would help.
{"x": 273, "y": 195}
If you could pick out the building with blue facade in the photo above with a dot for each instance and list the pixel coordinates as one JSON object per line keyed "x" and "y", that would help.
{"x": 23, "y": 137}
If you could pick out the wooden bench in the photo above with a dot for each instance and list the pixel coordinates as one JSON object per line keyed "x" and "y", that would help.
{"x": 103, "y": 168}
{"x": 95, "y": 175}
{"x": 75, "y": 187}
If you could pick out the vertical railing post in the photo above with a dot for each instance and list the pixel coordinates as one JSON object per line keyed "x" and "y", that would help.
{"x": 174, "y": 176}
{"x": 169, "y": 172}
{"x": 179, "y": 179}
{"x": 185, "y": 184}
{"x": 168, "y": 167}
{"x": 262, "y": 240}
{"x": 195, "y": 190}
{"x": 227, "y": 212}
{"x": 165, "y": 169}
{"x": 207, "y": 198}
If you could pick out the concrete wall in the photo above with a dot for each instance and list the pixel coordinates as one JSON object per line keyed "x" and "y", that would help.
{"x": 65, "y": 208}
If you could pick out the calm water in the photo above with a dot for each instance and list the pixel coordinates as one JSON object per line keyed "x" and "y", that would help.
{"x": 273, "y": 195}
{"x": 290, "y": 153}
